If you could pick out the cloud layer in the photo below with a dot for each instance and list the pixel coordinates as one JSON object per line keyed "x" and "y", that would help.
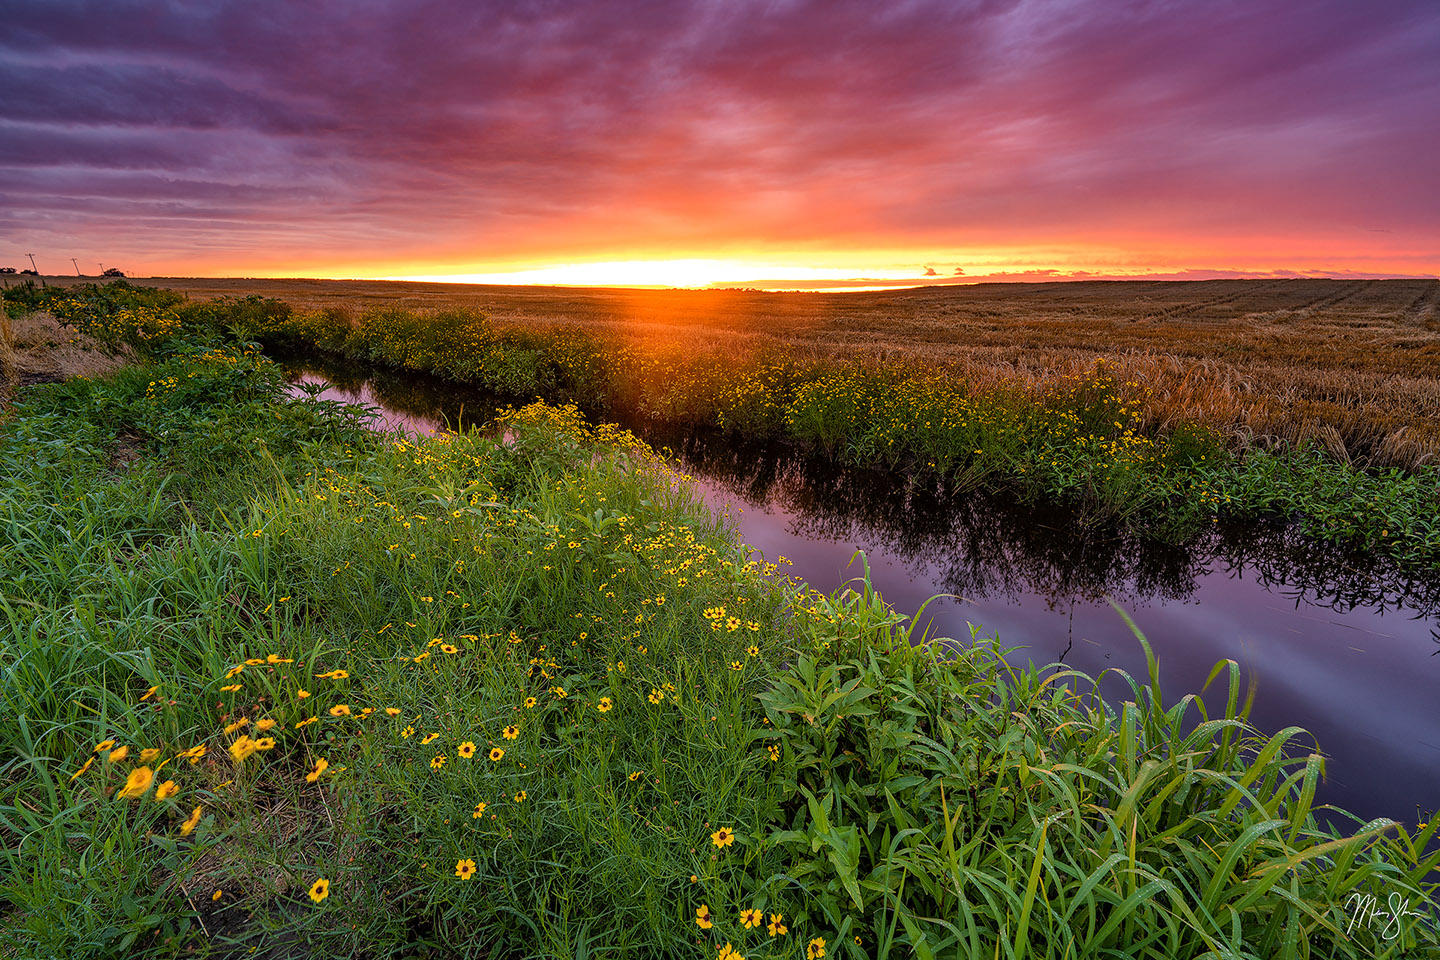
{"x": 375, "y": 134}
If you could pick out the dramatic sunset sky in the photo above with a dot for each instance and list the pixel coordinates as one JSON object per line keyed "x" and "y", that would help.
{"x": 736, "y": 141}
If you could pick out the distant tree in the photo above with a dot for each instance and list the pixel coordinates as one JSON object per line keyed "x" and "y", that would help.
{"x": 30, "y": 273}
{"x": 113, "y": 272}
{"x": 7, "y": 269}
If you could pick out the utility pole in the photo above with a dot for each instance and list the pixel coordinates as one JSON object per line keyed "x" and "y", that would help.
{"x": 32, "y": 263}
{"x": 77, "y": 268}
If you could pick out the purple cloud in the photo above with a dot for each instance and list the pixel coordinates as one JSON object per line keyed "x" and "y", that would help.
{"x": 391, "y": 130}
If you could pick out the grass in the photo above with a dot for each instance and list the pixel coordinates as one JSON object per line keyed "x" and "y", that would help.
{"x": 1121, "y": 443}
{"x": 1128, "y": 440}
{"x": 518, "y": 694}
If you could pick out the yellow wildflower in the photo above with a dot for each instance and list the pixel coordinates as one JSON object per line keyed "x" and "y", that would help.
{"x": 136, "y": 784}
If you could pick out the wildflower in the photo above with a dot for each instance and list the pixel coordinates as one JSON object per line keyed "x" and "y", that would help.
{"x": 266, "y": 724}
{"x": 235, "y": 671}
{"x": 407, "y": 733}
{"x": 449, "y": 648}
{"x": 231, "y": 688}
{"x": 815, "y": 949}
{"x": 496, "y": 753}
{"x": 276, "y": 658}
{"x": 466, "y": 750}
{"x": 136, "y": 784}
{"x": 147, "y": 756}
{"x": 306, "y": 723}
{"x": 332, "y": 675}
{"x": 392, "y": 711}
{"x": 232, "y": 727}
{"x": 479, "y": 810}
{"x": 559, "y": 692}
{"x": 520, "y": 797}
{"x": 340, "y": 710}
{"x": 723, "y": 837}
{"x": 655, "y": 696}
{"x": 636, "y": 775}
{"x": 118, "y": 754}
{"x": 510, "y": 732}
{"x": 775, "y": 927}
{"x": 195, "y": 753}
{"x": 774, "y": 753}
{"x": 242, "y": 748}
{"x": 604, "y": 705}
{"x": 428, "y": 737}
{"x": 265, "y": 743}
{"x": 104, "y": 745}
{"x": 149, "y": 693}
{"x": 190, "y": 822}
{"x": 217, "y": 895}
{"x": 703, "y": 917}
{"x": 301, "y": 694}
{"x": 530, "y": 703}
{"x": 320, "y": 890}
{"x": 320, "y": 766}
{"x": 465, "y": 869}
{"x": 750, "y": 919}
{"x": 83, "y": 768}
{"x": 166, "y": 790}
{"x": 736, "y": 665}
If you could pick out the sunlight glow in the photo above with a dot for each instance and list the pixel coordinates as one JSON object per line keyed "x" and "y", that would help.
{"x": 661, "y": 273}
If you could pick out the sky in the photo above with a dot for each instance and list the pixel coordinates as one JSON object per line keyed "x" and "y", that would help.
{"x": 849, "y": 142}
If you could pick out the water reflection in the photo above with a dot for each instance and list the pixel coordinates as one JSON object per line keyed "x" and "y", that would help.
{"x": 1342, "y": 645}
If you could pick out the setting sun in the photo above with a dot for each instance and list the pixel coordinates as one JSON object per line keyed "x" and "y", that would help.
{"x": 659, "y": 273}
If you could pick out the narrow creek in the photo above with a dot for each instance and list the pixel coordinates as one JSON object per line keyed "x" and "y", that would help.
{"x": 1346, "y": 646}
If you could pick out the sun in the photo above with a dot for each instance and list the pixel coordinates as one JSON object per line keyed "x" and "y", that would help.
{"x": 690, "y": 273}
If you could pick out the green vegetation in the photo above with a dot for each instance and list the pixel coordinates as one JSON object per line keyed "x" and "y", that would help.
{"x": 273, "y": 680}
{"x": 1091, "y": 439}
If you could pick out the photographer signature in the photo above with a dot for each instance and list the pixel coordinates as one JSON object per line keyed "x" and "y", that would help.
{"x": 1368, "y": 909}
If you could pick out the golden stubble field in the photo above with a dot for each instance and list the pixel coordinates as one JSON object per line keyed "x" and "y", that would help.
{"x": 1354, "y": 364}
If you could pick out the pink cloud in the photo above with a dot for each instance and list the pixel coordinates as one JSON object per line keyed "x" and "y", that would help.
{"x": 450, "y": 130}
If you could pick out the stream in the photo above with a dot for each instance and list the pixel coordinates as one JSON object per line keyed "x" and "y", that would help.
{"x": 1346, "y": 646}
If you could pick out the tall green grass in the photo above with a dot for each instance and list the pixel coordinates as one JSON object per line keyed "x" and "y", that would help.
{"x": 238, "y": 568}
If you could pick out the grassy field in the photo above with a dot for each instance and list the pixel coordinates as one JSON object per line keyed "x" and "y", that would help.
{"x": 1351, "y": 364}
{"x": 1120, "y": 441}
{"x": 278, "y": 686}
